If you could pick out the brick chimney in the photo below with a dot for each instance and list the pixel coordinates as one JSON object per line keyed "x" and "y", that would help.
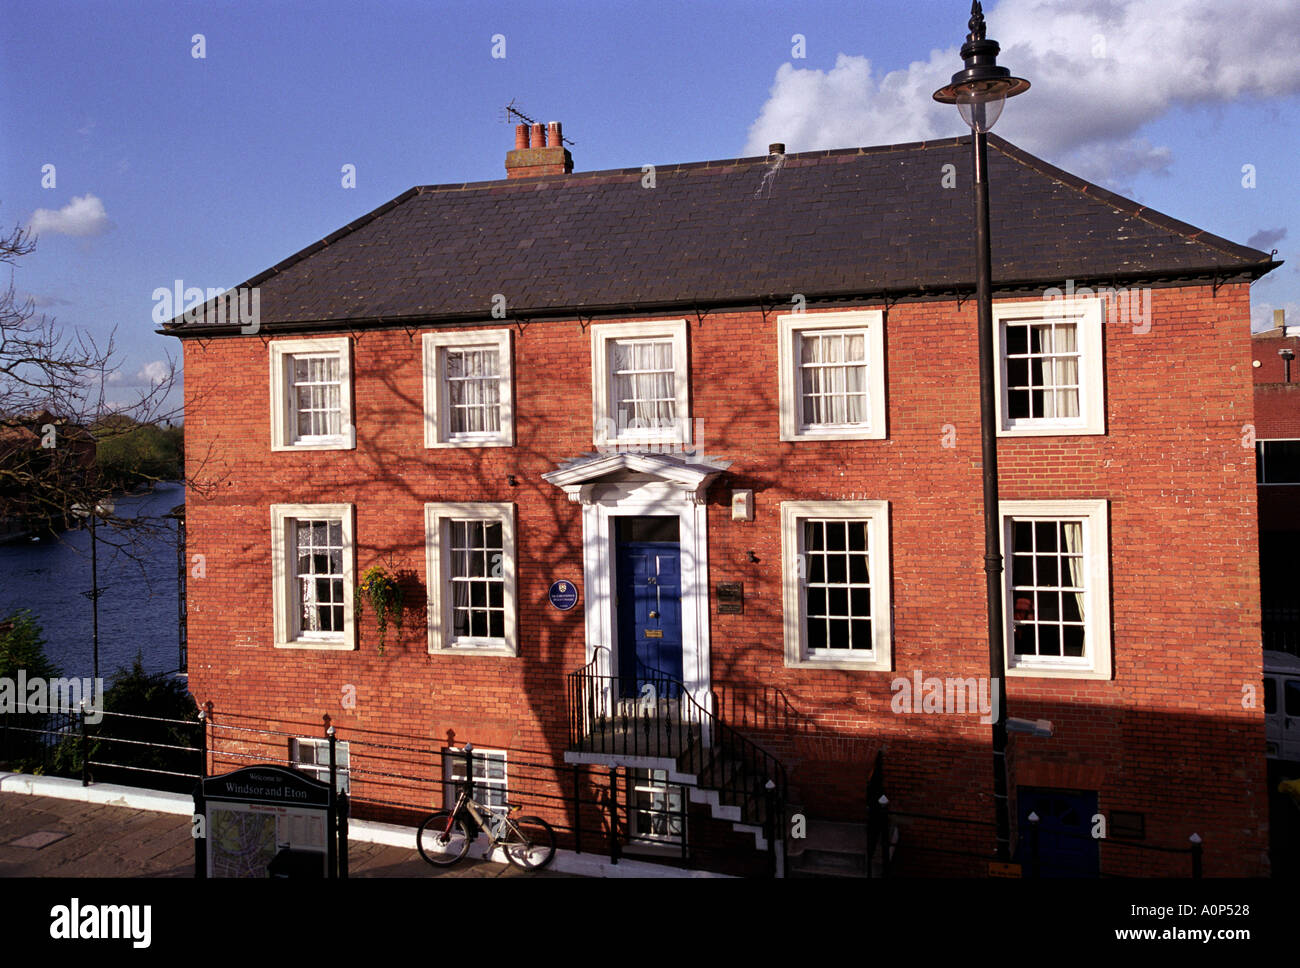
{"x": 538, "y": 151}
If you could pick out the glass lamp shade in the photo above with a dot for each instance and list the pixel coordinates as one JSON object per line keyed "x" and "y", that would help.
{"x": 981, "y": 115}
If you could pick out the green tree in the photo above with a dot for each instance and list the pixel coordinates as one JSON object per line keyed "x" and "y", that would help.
{"x": 23, "y": 647}
{"x": 23, "y": 740}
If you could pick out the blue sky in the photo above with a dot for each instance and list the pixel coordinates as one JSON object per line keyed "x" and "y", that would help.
{"x": 208, "y": 170}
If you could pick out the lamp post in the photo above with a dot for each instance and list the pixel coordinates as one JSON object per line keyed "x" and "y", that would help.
{"x": 102, "y": 509}
{"x": 979, "y": 90}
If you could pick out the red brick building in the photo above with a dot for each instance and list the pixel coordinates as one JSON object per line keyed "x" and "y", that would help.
{"x": 734, "y": 406}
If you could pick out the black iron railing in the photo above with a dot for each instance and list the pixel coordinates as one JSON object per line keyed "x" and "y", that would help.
{"x": 649, "y": 714}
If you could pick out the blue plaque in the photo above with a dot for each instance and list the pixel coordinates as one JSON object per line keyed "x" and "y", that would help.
{"x": 563, "y": 594}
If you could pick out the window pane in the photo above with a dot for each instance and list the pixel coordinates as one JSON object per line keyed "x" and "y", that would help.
{"x": 317, "y": 394}
{"x": 1041, "y": 368}
{"x": 477, "y": 579}
{"x": 318, "y": 555}
{"x": 1048, "y": 588}
{"x": 472, "y": 378}
{"x": 837, "y": 591}
{"x": 832, "y": 377}
{"x": 643, "y": 386}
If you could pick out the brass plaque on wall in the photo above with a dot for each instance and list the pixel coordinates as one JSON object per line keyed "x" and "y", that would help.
{"x": 731, "y": 597}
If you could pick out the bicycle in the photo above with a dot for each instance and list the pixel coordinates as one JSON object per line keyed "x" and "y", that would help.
{"x": 444, "y": 836}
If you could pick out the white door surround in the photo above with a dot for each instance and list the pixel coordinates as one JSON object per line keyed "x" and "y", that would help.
{"x": 618, "y": 485}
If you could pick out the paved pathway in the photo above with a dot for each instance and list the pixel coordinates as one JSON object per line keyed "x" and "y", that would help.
{"x": 52, "y": 837}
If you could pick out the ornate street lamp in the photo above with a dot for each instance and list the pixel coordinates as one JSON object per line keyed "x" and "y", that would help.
{"x": 979, "y": 91}
{"x": 102, "y": 510}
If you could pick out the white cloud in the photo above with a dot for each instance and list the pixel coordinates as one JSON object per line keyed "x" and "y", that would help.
{"x": 84, "y": 215}
{"x": 151, "y": 373}
{"x": 1084, "y": 111}
{"x": 1261, "y": 315}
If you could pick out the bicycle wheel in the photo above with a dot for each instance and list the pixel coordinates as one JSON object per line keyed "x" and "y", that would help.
{"x": 529, "y": 842}
{"x": 443, "y": 839}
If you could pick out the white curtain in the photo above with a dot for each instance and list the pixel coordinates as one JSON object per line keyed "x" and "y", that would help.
{"x": 307, "y": 581}
{"x": 460, "y": 554}
{"x": 1073, "y": 531}
{"x": 645, "y": 395}
{"x": 473, "y": 391}
{"x": 1061, "y": 347}
{"x": 855, "y": 400}
{"x": 834, "y": 378}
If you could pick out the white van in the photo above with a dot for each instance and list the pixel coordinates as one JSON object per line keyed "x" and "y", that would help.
{"x": 1282, "y": 705}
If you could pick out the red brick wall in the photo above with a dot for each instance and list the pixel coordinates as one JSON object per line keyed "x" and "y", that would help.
{"x": 1277, "y": 409}
{"x": 1167, "y": 736}
{"x": 1271, "y": 368}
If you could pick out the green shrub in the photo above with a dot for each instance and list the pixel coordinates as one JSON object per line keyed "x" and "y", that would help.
{"x": 22, "y": 649}
{"x": 157, "y": 695}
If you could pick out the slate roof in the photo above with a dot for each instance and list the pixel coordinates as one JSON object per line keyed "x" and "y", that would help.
{"x": 828, "y": 224}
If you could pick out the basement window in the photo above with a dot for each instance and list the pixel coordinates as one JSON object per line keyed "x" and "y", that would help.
{"x": 312, "y": 756}
{"x": 656, "y": 808}
{"x": 490, "y": 787}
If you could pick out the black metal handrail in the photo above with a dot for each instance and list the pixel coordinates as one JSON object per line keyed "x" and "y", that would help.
{"x": 652, "y": 714}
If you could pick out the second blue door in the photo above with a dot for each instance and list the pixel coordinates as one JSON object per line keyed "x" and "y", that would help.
{"x": 649, "y": 613}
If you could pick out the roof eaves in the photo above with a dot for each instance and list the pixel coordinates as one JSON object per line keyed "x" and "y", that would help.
{"x": 951, "y": 289}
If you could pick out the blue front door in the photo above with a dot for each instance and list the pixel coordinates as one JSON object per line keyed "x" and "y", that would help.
{"x": 1066, "y": 847}
{"x": 649, "y": 613}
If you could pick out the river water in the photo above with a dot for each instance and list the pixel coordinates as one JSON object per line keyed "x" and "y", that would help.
{"x": 137, "y": 582}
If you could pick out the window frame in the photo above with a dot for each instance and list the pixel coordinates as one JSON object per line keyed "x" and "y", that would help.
{"x": 791, "y": 328}
{"x": 284, "y": 600}
{"x": 453, "y": 755}
{"x": 797, "y": 655}
{"x": 643, "y": 780}
{"x": 1089, "y": 313}
{"x": 437, "y": 544}
{"x": 320, "y": 770}
{"x": 602, "y": 338}
{"x": 283, "y": 410}
{"x": 1096, "y": 663}
{"x": 1261, "y": 461}
{"x": 437, "y": 408}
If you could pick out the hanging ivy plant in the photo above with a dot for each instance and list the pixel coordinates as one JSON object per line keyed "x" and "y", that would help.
{"x": 384, "y": 594}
